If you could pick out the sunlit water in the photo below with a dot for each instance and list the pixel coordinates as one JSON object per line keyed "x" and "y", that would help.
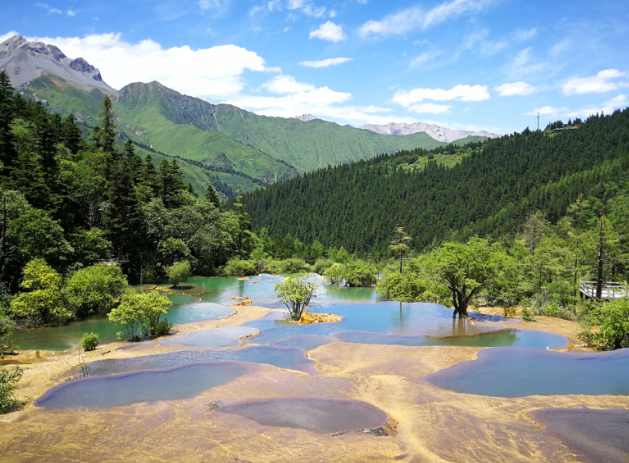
{"x": 528, "y": 369}
{"x": 143, "y": 386}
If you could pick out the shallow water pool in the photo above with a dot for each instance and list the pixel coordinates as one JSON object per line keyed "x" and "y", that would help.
{"x": 522, "y": 372}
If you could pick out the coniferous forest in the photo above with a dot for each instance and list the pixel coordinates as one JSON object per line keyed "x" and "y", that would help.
{"x": 75, "y": 198}
{"x": 488, "y": 189}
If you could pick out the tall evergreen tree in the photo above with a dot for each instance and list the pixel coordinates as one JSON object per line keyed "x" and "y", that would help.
{"x": 8, "y": 151}
{"x": 71, "y": 134}
{"x": 106, "y": 132}
{"x": 212, "y": 196}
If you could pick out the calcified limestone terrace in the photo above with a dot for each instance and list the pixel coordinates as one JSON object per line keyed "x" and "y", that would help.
{"x": 319, "y": 399}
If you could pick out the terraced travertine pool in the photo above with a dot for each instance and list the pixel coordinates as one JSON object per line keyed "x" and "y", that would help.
{"x": 277, "y": 374}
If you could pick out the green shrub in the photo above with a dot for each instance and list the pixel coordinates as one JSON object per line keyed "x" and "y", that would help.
{"x": 607, "y": 326}
{"x": 95, "y": 290}
{"x": 8, "y": 382}
{"x": 163, "y": 328}
{"x": 41, "y": 301}
{"x": 139, "y": 314}
{"x": 179, "y": 272}
{"x": 240, "y": 267}
{"x": 89, "y": 341}
{"x": 335, "y": 273}
{"x": 405, "y": 287}
{"x": 294, "y": 265}
{"x": 321, "y": 265}
{"x": 527, "y": 315}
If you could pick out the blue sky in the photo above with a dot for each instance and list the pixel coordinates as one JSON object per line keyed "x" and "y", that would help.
{"x": 489, "y": 64}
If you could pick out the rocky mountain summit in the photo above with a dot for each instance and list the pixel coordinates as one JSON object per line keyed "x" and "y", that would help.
{"x": 25, "y": 61}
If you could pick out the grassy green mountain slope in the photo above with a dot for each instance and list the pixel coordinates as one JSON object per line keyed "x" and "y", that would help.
{"x": 488, "y": 189}
{"x": 312, "y": 144}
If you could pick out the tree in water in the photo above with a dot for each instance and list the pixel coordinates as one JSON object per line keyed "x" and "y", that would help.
{"x": 463, "y": 270}
{"x": 295, "y": 294}
{"x": 399, "y": 246}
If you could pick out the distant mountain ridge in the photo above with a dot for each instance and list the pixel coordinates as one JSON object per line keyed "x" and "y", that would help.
{"x": 26, "y": 61}
{"x": 244, "y": 149}
{"x": 440, "y": 133}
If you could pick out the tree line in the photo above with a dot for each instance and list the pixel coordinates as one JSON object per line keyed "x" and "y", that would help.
{"x": 490, "y": 192}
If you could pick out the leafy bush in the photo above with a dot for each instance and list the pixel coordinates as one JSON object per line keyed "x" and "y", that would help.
{"x": 8, "y": 382}
{"x": 355, "y": 273}
{"x": 607, "y": 326}
{"x": 139, "y": 314}
{"x": 89, "y": 341}
{"x": 295, "y": 294}
{"x": 405, "y": 287}
{"x": 163, "y": 328}
{"x": 42, "y": 301}
{"x": 360, "y": 273}
{"x": 240, "y": 267}
{"x": 335, "y": 273}
{"x": 527, "y": 315}
{"x": 95, "y": 290}
{"x": 179, "y": 272}
{"x": 293, "y": 265}
{"x": 321, "y": 265}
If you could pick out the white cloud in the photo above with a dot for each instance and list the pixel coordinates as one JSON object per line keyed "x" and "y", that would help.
{"x": 480, "y": 40}
{"x": 424, "y": 58}
{"x": 429, "y": 108}
{"x": 604, "y": 81}
{"x": 416, "y": 18}
{"x": 547, "y": 111}
{"x": 211, "y": 4}
{"x": 56, "y": 11}
{"x": 292, "y": 98}
{"x": 283, "y": 85}
{"x": 522, "y": 35}
{"x": 328, "y": 31}
{"x": 306, "y": 7}
{"x": 325, "y": 63}
{"x": 525, "y": 64}
{"x": 607, "y": 107}
{"x": 210, "y": 72}
{"x": 515, "y": 89}
{"x": 457, "y": 93}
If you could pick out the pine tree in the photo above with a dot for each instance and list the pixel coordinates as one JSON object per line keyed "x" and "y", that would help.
{"x": 106, "y": 134}
{"x": 8, "y": 151}
{"x": 71, "y": 134}
{"x": 212, "y": 196}
{"x": 172, "y": 184}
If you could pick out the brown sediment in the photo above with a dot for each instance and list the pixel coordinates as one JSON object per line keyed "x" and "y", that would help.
{"x": 425, "y": 422}
{"x": 309, "y": 318}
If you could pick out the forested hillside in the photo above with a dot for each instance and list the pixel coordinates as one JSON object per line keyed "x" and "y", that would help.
{"x": 75, "y": 201}
{"x": 486, "y": 189}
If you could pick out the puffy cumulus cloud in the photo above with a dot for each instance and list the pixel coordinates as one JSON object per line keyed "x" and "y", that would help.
{"x": 604, "y": 81}
{"x": 515, "y": 89}
{"x": 325, "y": 63}
{"x": 328, "y": 31}
{"x": 292, "y": 98}
{"x": 416, "y": 18}
{"x": 469, "y": 93}
{"x": 282, "y": 85}
{"x": 209, "y": 72}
